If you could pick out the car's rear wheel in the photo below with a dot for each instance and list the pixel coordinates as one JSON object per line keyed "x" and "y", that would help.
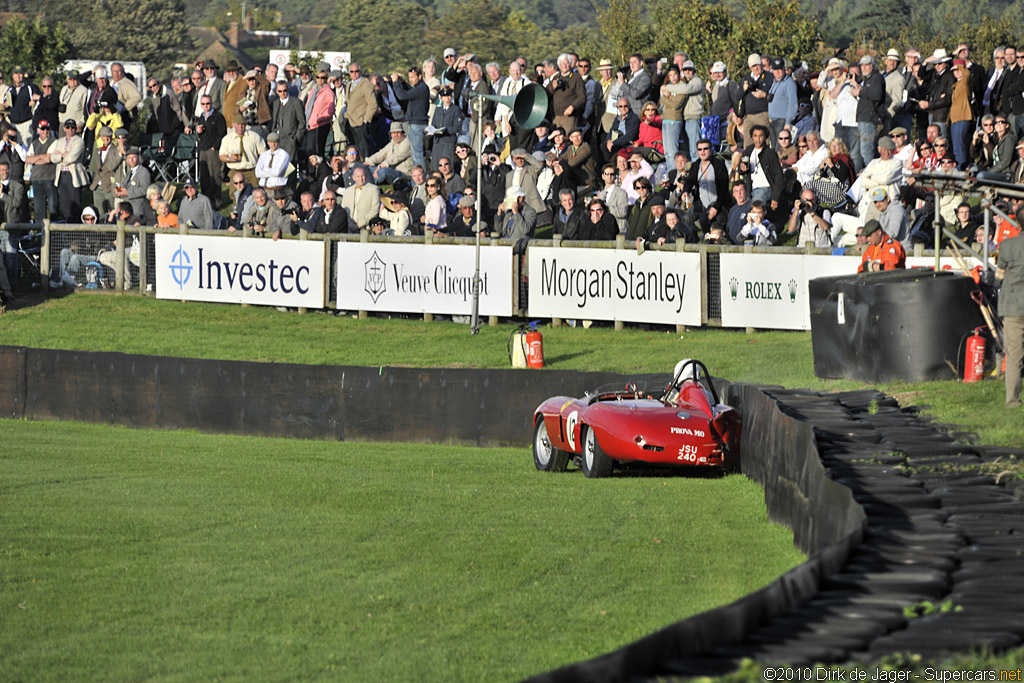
{"x": 595, "y": 462}
{"x": 546, "y": 457}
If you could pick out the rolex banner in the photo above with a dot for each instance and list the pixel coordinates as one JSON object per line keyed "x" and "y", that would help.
{"x": 769, "y": 291}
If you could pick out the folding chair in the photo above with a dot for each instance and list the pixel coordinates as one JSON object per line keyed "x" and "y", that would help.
{"x": 185, "y": 158}
{"x": 155, "y": 155}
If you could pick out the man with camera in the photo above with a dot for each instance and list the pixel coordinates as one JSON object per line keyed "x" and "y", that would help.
{"x": 754, "y": 100}
{"x": 73, "y": 98}
{"x": 814, "y": 223}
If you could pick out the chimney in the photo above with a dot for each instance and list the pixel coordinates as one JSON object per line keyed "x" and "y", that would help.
{"x": 233, "y": 35}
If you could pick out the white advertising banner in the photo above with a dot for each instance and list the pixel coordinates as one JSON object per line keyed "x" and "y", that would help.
{"x": 615, "y": 284}
{"x": 423, "y": 278}
{"x": 236, "y": 270}
{"x": 770, "y": 291}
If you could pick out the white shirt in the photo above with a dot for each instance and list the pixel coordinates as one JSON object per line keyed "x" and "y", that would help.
{"x": 271, "y": 168}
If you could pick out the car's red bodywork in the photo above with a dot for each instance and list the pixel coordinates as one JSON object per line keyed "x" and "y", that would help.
{"x": 632, "y": 426}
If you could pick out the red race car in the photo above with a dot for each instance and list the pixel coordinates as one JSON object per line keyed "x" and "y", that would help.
{"x": 678, "y": 421}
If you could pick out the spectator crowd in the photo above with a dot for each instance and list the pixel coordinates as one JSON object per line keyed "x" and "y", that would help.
{"x": 658, "y": 150}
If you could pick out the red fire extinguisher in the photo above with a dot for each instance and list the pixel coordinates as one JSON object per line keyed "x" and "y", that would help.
{"x": 534, "y": 347}
{"x": 974, "y": 358}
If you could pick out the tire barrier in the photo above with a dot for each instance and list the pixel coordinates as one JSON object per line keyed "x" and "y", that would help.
{"x": 918, "y": 316}
{"x": 892, "y": 500}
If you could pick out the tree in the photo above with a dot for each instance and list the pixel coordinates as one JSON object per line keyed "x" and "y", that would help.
{"x": 773, "y": 27}
{"x": 698, "y": 28}
{"x": 483, "y": 36}
{"x": 137, "y": 30}
{"x": 38, "y": 46}
{"x": 381, "y": 35}
{"x": 622, "y": 22}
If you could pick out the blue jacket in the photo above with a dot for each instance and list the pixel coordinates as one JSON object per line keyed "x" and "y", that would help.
{"x": 415, "y": 99}
{"x": 783, "y": 103}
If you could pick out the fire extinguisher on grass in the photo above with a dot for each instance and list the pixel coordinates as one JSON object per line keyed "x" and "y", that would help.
{"x": 526, "y": 346}
{"x": 974, "y": 358}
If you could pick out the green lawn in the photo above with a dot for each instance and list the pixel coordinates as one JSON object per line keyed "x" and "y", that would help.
{"x": 128, "y": 555}
{"x": 141, "y": 325}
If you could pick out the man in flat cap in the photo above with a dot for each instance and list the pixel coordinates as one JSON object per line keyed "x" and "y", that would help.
{"x": 195, "y": 210}
{"x": 73, "y": 98}
{"x": 68, "y": 155}
{"x": 883, "y": 252}
{"x": 107, "y": 160}
{"x": 44, "y": 171}
{"x": 272, "y": 166}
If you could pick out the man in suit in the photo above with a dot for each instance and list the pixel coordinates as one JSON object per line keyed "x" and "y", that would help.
{"x": 107, "y": 161}
{"x": 1011, "y": 307}
{"x": 568, "y": 95}
{"x": 134, "y": 180}
{"x": 69, "y": 156}
{"x": 637, "y": 88}
{"x": 361, "y": 201}
{"x": 331, "y": 218}
{"x": 213, "y": 86}
{"x": 12, "y": 196}
{"x": 287, "y": 119}
{"x": 234, "y": 91}
{"x": 362, "y": 105}
{"x": 993, "y": 82}
{"x": 165, "y": 112}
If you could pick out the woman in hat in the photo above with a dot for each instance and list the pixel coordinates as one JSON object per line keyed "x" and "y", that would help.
{"x": 394, "y": 208}
{"x": 446, "y": 125}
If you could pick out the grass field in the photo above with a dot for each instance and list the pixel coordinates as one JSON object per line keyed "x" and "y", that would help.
{"x": 128, "y": 555}
{"x": 139, "y": 325}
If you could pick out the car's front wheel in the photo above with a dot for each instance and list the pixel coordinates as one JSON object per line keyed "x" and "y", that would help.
{"x": 546, "y": 457}
{"x": 595, "y": 462}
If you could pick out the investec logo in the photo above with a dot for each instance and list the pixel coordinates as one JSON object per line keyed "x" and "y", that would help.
{"x": 762, "y": 291}
{"x": 212, "y": 274}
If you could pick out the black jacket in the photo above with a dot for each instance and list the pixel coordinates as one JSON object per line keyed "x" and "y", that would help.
{"x": 769, "y": 160}
{"x": 721, "y": 184}
{"x": 605, "y": 229}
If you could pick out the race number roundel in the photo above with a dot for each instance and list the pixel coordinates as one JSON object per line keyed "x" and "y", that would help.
{"x": 570, "y": 428}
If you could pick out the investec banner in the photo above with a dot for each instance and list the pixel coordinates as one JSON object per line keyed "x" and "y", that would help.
{"x": 423, "y": 278}
{"x": 615, "y": 284}
{"x": 236, "y": 270}
{"x": 770, "y": 290}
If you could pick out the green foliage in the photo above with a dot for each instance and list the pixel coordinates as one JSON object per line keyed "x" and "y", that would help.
{"x": 39, "y": 46}
{"x": 700, "y": 29}
{"x": 381, "y": 35}
{"x": 483, "y": 36}
{"x": 772, "y": 27}
{"x": 926, "y": 607}
{"x": 624, "y": 25}
{"x": 171, "y": 555}
{"x": 141, "y": 32}
{"x": 311, "y": 58}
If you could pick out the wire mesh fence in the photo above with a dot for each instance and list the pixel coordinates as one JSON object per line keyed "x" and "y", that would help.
{"x": 84, "y": 258}
{"x": 714, "y": 287}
